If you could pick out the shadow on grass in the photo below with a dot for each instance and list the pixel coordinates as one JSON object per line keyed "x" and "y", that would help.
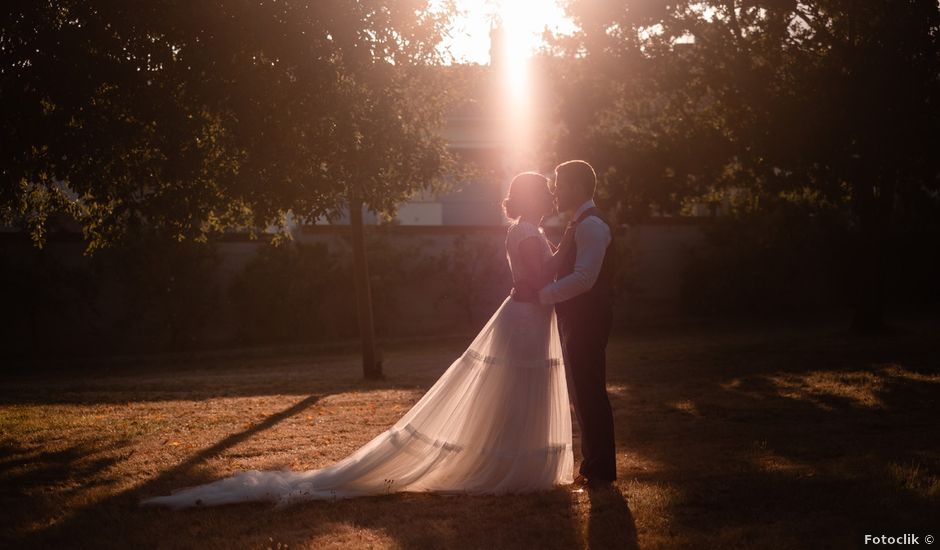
{"x": 91, "y": 526}
{"x": 411, "y": 520}
{"x": 786, "y": 446}
{"x": 610, "y": 523}
{"x": 24, "y": 474}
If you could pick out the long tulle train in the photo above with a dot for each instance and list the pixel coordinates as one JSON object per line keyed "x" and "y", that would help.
{"x": 497, "y": 421}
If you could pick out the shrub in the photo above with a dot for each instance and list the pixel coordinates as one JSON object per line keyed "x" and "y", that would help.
{"x": 281, "y": 295}
{"x": 50, "y": 305}
{"x": 394, "y": 270}
{"x": 475, "y": 272}
{"x": 166, "y": 292}
{"x": 793, "y": 257}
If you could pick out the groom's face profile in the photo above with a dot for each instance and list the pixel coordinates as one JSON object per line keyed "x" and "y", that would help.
{"x": 574, "y": 184}
{"x": 567, "y": 196}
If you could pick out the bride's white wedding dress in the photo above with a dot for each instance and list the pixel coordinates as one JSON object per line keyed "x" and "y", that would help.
{"x": 497, "y": 421}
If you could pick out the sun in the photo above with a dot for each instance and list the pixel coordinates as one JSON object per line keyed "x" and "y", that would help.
{"x": 524, "y": 21}
{"x": 522, "y": 24}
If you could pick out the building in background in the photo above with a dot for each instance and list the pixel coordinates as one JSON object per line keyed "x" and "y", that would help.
{"x": 471, "y": 131}
{"x": 474, "y": 132}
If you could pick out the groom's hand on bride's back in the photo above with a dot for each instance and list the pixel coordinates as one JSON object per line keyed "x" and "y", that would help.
{"x": 523, "y": 292}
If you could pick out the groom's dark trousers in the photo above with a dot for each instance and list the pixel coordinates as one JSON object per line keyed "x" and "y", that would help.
{"x": 584, "y": 324}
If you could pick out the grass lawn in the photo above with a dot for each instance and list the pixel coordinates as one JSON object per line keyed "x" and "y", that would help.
{"x": 728, "y": 436}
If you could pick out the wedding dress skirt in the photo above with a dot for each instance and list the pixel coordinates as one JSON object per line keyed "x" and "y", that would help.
{"x": 497, "y": 421}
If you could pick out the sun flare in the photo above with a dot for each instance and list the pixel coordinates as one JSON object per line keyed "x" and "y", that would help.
{"x": 505, "y": 34}
{"x": 468, "y": 39}
{"x": 518, "y": 44}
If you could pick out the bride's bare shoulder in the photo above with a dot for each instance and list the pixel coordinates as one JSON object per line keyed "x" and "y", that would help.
{"x": 522, "y": 228}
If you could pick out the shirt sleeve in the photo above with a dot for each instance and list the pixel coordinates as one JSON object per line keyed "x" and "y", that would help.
{"x": 591, "y": 237}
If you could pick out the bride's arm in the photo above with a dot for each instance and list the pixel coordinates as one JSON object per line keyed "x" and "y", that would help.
{"x": 530, "y": 252}
{"x": 558, "y": 254}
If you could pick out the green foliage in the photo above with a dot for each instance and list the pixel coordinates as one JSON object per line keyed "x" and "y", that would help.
{"x": 299, "y": 292}
{"x": 471, "y": 270}
{"x": 915, "y": 256}
{"x": 281, "y": 295}
{"x": 50, "y": 305}
{"x": 793, "y": 256}
{"x": 189, "y": 118}
{"x": 790, "y": 257}
{"x": 167, "y": 292}
{"x": 149, "y": 295}
{"x": 679, "y": 99}
{"x": 624, "y": 272}
{"x": 823, "y": 98}
{"x": 393, "y": 270}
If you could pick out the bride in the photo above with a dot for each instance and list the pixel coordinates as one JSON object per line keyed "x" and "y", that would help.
{"x": 497, "y": 421}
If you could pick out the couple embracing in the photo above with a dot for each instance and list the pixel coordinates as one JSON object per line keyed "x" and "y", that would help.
{"x": 498, "y": 420}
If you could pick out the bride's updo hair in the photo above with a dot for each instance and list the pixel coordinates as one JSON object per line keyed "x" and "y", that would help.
{"x": 522, "y": 189}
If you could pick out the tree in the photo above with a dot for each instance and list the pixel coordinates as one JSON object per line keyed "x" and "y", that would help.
{"x": 830, "y": 99}
{"x": 188, "y": 119}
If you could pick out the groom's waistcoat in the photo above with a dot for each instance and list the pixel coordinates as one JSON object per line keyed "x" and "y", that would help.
{"x": 595, "y": 301}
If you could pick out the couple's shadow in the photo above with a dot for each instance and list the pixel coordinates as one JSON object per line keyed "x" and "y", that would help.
{"x": 610, "y": 521}
{"x": 553, "y": 519}
{"x": 595, "y": 519}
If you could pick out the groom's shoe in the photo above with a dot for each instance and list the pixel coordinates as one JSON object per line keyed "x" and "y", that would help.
{"x": 580, "y": 484}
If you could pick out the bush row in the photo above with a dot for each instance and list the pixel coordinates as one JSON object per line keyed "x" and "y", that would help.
{"x": 156, "y": 295}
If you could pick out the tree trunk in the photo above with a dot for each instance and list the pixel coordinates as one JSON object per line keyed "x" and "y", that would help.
{"x": 371, "y": 367}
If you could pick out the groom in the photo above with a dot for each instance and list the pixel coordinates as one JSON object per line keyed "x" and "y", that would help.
{"x": 582, "y": 298}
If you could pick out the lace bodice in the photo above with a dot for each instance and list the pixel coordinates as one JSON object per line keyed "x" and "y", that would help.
{"x": 518, "y": 232}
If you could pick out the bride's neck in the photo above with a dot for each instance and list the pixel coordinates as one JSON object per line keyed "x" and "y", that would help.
{"x": 530, "y": 219}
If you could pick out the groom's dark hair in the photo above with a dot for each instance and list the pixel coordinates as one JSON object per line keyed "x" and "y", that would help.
{"x": 579, "y": 173}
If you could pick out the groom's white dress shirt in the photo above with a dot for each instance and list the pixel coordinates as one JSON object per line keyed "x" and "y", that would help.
{"x": 591, "y": 237}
